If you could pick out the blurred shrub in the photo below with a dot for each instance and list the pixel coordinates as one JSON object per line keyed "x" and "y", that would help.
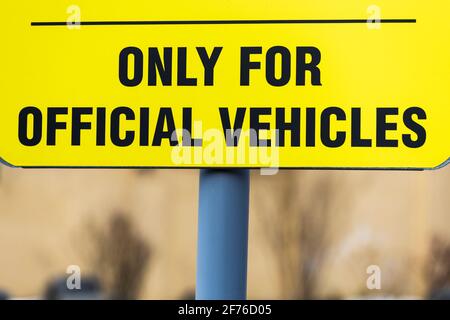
{"x": 297, "y": 229}
{"x": 438, "y": 269}
{"x": 119, "y": 256}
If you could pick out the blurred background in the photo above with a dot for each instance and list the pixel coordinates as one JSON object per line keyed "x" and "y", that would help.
{"x": 313, "y": 234}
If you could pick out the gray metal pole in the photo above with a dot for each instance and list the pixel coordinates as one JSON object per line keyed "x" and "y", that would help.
{"x": 223, "y": 235}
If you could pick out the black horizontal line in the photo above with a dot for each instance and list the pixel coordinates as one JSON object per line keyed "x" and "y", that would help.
{"x": 218, "y": 22}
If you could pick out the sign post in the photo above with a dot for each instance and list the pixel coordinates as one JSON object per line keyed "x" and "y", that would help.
{"x": 223, "y": 235}
{"x": 225, "y": 88}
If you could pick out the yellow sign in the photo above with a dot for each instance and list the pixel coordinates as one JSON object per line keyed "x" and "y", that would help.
{"x": 250, "y": 84}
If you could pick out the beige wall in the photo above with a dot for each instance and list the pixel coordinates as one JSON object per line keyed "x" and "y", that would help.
{"x": 384, "y": 218}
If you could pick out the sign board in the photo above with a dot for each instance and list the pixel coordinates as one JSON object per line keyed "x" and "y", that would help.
{"x": 235, "y": 84}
